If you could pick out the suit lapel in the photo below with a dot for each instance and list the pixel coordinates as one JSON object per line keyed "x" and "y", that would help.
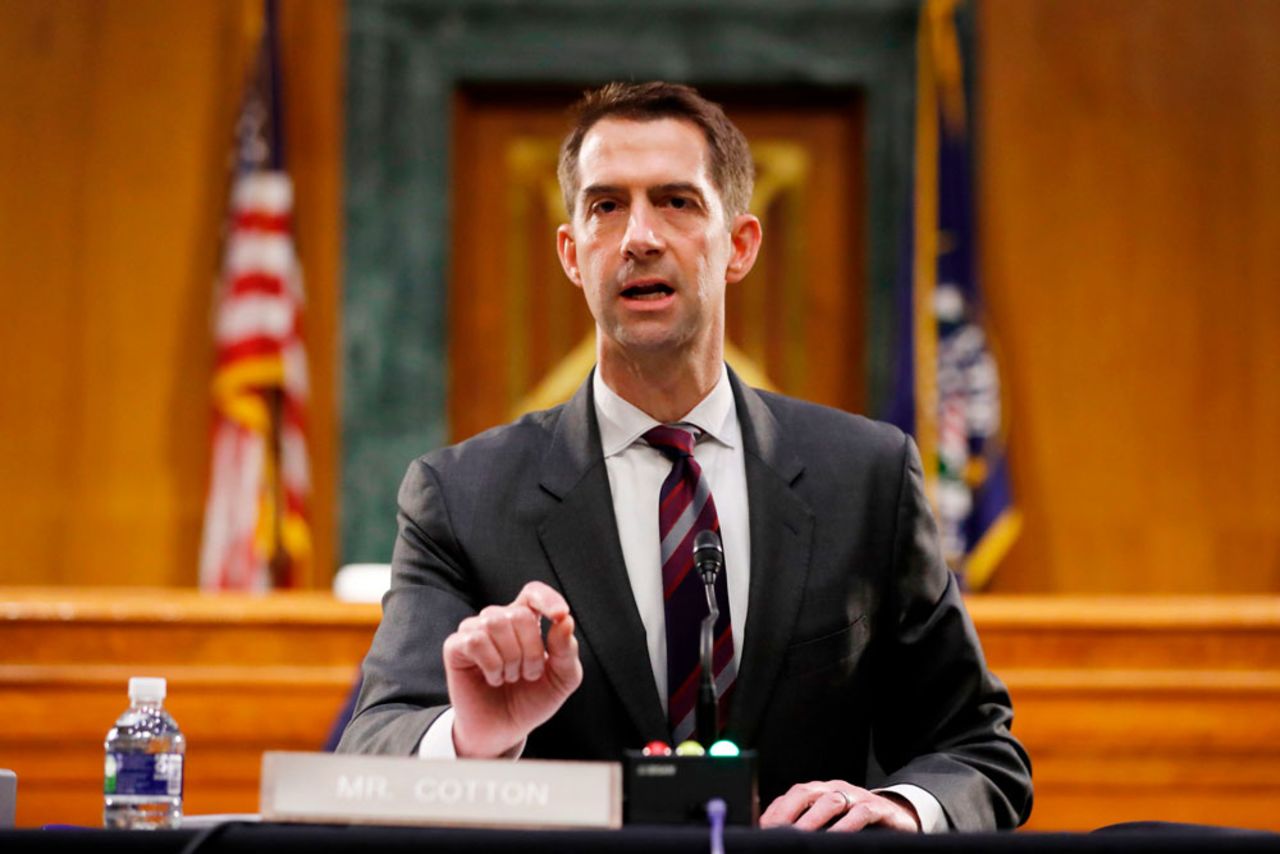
{"x": 781, "y": 538}
{"x": 580, "y": 538}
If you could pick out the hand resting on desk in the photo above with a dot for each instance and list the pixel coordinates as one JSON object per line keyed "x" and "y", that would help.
{"x": 837, "y": 805}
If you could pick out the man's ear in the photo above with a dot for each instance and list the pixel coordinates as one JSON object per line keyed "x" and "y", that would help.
{"x": 567, "y": 249}
{"x": 746, "y": 235}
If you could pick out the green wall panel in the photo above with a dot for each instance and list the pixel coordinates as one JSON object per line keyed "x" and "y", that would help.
{"x": 404, "y": 60}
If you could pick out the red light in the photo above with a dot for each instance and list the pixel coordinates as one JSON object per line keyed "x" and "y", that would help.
{"x": 657, "y": 748}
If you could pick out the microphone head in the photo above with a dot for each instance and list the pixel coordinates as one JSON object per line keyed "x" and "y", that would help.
{"x": 708, "y": 555}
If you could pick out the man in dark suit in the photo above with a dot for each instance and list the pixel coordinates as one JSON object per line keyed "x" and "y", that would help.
{"x": 842, "y": 631}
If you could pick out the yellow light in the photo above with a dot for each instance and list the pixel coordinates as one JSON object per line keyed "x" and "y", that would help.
{"x": 690, "y": 748}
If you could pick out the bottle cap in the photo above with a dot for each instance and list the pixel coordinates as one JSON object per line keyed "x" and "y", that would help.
{"x": 146, "y": 689}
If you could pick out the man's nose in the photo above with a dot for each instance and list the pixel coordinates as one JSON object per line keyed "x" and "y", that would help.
{"x": 644, "y": 233}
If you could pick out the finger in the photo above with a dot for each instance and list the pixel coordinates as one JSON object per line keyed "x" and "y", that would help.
{"x": 475, "y": 649}
{"x": 455, "y": 645}
{"x": 544, "y": 600}
{"x": 786, "y": 808}
{"x": 897, "y": 813}
{"x": 470, "y": 624}
{"x": 859, "y": 816}
{"x": 562, "y": 651}
{"x": 528, "y": 633}
{"x": 827, "y": 806}
{"x": 497, "y": 624}
{"x": 561, "y": 644}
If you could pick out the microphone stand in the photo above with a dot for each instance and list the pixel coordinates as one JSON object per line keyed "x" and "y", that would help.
{"x": 666, "y": 789}
{"x": 709, "y": 558}
{"x": 708, "y": 713}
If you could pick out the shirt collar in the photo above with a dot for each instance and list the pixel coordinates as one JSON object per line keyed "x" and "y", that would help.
{"x": 622, "y": 423}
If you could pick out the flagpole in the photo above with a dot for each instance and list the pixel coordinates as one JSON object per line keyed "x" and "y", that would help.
{"x": 925, "y": 260}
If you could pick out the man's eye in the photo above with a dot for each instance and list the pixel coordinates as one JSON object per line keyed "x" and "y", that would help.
{"x": 679, "y": 202}
{"x": 604, "y": 206}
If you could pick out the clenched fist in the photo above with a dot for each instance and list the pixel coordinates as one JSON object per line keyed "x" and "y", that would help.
{"x": 503, "y": 680}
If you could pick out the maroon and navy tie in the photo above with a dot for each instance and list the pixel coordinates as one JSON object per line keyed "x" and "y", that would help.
{"x": 685, "y": 508}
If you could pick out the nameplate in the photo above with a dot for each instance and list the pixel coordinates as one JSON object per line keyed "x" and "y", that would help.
{"x": 327, "y": 788}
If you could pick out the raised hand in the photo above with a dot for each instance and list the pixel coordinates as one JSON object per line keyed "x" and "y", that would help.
{"x": 503, "y": 680}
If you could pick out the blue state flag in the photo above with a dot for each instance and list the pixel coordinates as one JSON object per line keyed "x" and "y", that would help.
{"x": 947, "y": 391}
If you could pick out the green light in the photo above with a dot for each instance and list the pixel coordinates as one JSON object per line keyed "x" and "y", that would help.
{"x": 689, "y": 748}
{"x": 724, "y": 747}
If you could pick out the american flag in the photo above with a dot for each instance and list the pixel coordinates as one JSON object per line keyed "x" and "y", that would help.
{"x": 256, "y": 533}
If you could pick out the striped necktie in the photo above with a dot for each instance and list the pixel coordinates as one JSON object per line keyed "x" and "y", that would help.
{"x": 685, "y": 507}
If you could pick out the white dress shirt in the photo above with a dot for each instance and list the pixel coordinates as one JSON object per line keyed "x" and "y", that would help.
{"x": 636, "y": 472}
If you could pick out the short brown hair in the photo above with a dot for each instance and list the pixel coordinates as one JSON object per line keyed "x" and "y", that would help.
{"x": 732, "y": 170}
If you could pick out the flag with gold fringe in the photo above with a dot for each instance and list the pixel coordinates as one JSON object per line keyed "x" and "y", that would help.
{"x": 256, "y": 533}
{"x": 947, "y": 390}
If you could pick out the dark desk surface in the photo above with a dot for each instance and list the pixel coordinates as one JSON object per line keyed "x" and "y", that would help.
{"x": 308, "y": 839}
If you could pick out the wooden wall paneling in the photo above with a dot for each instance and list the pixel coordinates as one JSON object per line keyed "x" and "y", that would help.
{"x": 814, "y": 344}
{"x": 494, "y": 328}
{"x": 1129, "y": 171}
{"x": 139, "y": 141}
{"x": 115, "y": 164}
{"x": 313, "y": 63}
{"x": 43, "y": 55}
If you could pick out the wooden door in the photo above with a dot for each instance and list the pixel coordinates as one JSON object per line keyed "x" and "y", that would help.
{"x": 520, "y": 336}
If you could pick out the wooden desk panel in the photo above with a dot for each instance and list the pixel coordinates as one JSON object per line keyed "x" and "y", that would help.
{"x": 1143, "y": 708}
{"x": 1131, "y": 708}
{"x": 246, "y": 674}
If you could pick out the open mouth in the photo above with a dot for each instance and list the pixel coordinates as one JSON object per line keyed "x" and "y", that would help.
{"x": 647, "y": 291}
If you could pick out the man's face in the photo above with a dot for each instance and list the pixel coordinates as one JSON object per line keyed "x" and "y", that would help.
{"x": 649, "y": 245}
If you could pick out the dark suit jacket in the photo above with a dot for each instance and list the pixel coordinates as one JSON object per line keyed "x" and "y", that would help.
{"x": 856, "y": 635}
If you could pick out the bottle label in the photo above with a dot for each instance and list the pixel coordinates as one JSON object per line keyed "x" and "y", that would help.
{"x": 143, "y": 774}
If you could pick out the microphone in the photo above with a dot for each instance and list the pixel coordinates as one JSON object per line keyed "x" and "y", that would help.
{"x": 708, "y": 558}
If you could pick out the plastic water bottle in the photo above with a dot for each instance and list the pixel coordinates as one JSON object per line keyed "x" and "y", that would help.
{"x": 142, "y": 785}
